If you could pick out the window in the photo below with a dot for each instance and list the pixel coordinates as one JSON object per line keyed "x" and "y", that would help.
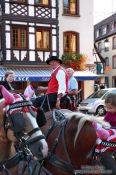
{"x": 0, "y": 38}
{"x": 71, "y": 7}
{"x": 43, "y": 39}
{"x": 112, "y": 26}
{"x": 104, "y": 30}
{"x": 42, "y": 2}
{"x": 100, "y": 31}
{"x": 114, "y": 82}
{"x": 97, "y": 33}
{"x": 106, "y": 61}
{"x": 114, "y": 42}
{"x": 114, "y": 62}
{"x": 19, "y": 37}
{"x": 108, "y": 27}
{"x": 99, "y": 46}
{"x": 70, "y": 42}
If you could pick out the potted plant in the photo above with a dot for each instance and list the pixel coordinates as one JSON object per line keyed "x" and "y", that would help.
{"x": 76, "y": 61}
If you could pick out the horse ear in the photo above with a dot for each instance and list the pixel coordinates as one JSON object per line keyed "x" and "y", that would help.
{"x": 7, "y": 95}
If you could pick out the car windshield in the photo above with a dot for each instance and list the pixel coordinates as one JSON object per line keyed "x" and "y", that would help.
{"x": 98, "y": 94}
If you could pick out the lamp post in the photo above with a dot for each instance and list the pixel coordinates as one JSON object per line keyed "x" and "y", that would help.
{"x": 106, "y": 43}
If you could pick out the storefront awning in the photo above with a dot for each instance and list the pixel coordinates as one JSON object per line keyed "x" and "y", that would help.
{"x": 31, "y": 74}
{"x": 85, "y": 75}
{"x": 25, "y": 74}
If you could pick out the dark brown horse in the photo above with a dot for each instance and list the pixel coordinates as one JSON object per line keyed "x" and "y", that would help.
{"x": 71, "y": 143}
{"x": 18, "y": 123}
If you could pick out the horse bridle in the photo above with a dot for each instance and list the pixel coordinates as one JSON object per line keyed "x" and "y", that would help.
{"x": 54, "y": 159}
{"x": 22, "y": 150}
{"x": 10, "y": 121}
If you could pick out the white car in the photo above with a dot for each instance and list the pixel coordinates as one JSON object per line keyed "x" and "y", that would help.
{"x": 95, "y": 103}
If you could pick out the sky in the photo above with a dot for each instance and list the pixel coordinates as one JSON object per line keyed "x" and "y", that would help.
{"x": 103, "y": 9}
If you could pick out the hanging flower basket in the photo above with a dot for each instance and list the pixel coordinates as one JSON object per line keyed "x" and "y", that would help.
{"x": 107, "y": 68}
{"x": 76, "y": 61}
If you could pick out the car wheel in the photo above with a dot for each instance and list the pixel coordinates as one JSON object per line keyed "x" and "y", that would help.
{"x": 100, "y": 110}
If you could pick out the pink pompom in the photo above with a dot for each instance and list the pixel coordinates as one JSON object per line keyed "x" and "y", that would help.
{"x": 7, "y": 95}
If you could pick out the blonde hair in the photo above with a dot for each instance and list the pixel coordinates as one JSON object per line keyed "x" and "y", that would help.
{"x": 8, "y": 72}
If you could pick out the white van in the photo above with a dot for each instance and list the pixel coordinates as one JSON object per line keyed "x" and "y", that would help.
{"x": 95, "y": 103}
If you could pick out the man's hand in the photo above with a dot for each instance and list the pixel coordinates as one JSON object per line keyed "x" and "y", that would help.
{"x": 42, "y": 88}
{"x": 58, "y": 103}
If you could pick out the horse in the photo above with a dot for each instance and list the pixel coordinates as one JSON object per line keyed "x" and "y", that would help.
{"x": 18, "y": 132}
{"x": 71, "y": 138}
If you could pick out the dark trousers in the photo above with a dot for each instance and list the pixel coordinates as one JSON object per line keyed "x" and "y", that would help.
{"x": 46, "y": 102}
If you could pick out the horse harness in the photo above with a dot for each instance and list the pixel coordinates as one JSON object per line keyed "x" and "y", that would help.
{"x": 60, "y": 122}
{"x": 106, "y": 144}
{"x": 15, "y": 121}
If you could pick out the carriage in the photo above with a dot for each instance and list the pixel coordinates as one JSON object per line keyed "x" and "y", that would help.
{"x": 70, "y": 136}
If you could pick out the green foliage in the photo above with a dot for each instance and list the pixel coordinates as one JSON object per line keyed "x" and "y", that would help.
{"x": 72, "y": 56}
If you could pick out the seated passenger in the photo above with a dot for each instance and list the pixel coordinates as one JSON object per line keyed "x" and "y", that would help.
{"x": 104, "y": 133}
{"x": 72, "y": 87}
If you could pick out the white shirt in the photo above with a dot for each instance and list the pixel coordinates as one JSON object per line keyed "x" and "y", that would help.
{"x": 61, "y": 78}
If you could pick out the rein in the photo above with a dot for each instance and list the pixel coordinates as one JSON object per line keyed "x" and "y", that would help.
{"x": 11, "y": 162}
{"x": 22, "y": 146}
{"x": 53, "y": 158}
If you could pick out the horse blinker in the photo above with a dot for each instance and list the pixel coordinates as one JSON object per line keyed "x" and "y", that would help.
{"x": 17, "y": 122}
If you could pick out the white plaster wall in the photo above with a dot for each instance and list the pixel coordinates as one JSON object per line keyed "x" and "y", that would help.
{"x": 7, "y": 8}
{"x": 82, "y": 24}
{"x": 89, "y": 88}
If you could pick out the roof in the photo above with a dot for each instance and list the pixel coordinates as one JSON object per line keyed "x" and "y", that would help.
{"x": 31, "y": 74}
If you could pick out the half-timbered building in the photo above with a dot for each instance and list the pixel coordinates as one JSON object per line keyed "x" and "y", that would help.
{"x": 32, "y": 30}
{"x": 29, "y": 29}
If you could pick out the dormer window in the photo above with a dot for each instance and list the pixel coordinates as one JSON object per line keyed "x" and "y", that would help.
{"x": 97, "y": 33}
{"x": 104, "y": 30}
{"x": 112, "y": 26}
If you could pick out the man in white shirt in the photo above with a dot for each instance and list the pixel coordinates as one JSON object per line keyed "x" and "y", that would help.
{"x": 57, "y": 86}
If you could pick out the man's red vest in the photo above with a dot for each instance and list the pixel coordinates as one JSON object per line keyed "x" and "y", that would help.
{"x": 53, "y": 83}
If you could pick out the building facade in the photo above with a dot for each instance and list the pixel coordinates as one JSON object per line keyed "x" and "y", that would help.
{"x": 32, "y": 30}
{"x": 106, "y": 31}
{"x": 29, "y": 29}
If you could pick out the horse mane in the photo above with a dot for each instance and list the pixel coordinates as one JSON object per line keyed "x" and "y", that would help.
{"x": 83, "y": 118}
